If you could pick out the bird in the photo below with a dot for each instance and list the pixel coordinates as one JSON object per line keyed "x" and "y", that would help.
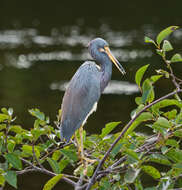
{"x": 85, "y": 88}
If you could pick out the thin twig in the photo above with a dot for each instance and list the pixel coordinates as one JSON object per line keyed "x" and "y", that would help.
{"x": 6, "y": 136}
{"x": 173, "y": 77}
{"x": 71, "y": 182}
{"x": 25, "y": 171}
{"x": 92, "y": 180}
{"x": 57, "y": 148}
{"x": 79, "y": 183}
{"x": 34, "y": 155}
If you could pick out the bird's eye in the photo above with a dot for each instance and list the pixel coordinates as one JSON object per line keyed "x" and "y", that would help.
{"x": 101, "y": 49}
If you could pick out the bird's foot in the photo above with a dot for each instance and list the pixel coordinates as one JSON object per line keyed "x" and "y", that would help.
{"x": 85, "y": 163}
{"x": 84, "y": 160}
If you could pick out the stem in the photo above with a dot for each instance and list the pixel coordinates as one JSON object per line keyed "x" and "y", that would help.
{"x": 174, "y": 78}
{"x": 34, "y": 155}
{"x": 71, "y": 182}
{"x": 92, "y": 180}
{"x": 57, "y": 148}
{"x": 6, "y": 136}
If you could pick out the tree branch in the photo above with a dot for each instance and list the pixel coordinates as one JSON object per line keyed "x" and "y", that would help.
{"x": 93, "y": 179}
{"x": 57, "y": 148}
{"x": 71, "y": 182}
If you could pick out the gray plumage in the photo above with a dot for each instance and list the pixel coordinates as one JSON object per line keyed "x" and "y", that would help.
{"x": 76, "y": 106}
{"x": 85, "y": 88}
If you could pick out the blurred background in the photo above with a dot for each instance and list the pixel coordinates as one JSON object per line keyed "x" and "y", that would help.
{"x": 42, "y": 44}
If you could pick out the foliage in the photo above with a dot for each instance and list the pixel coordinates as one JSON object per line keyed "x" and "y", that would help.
{"x": 120, "y": 159}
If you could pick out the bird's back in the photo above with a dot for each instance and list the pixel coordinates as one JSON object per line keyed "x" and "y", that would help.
{"x": 81, "y": 95}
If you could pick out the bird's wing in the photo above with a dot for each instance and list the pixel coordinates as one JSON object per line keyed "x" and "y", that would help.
{"x": 81, "y": 95}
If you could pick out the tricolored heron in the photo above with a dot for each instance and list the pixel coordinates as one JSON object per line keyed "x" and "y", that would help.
{"x": 86, "y": 87}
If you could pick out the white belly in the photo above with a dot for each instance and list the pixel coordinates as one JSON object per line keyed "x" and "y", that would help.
{"x": 91, "y": 111}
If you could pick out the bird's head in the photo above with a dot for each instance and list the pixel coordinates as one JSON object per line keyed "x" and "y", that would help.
{"x": 99, "y": 50}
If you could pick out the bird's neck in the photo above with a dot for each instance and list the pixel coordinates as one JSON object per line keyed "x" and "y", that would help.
{"x": 106, "y": 69}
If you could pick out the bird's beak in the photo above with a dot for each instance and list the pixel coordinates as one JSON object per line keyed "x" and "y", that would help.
{"x": 114, "y": 60}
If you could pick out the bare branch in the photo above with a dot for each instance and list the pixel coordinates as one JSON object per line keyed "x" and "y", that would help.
{"x": 45, "y": 171}
{"x": 57, "y": 148}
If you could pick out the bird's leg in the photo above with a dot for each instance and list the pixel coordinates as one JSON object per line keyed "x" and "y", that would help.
{"x": 81, "y": 139}
{"x": 83, "y": 157}
{"x": 78, "y": 145}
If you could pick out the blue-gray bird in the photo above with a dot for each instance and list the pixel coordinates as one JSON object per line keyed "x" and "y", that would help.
{"x": 86, "y": 87}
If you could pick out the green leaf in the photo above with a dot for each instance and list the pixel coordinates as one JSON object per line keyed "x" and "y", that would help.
{"x": 178, "y": 119}
{"x": 116, "y": 149}
{"x": 138, "y": 184}
{"x": 56, "y": 155}
{"x": 171, "y": 114}
{"x": 11, "y": 178}
{"x": 138, "y": 100}
{"x": 11, "y": 145}
{"x": 27, "y": 151}
{"x": 147, "y": 92}
{"x": 63, "y": 163}
{"x": 150, "y": 170}
{"x": 132, "y": 154}
{"x": 90, "y": 170}
{"x": 160, "y": 159}
{"x": 165, "y": 103}
{"x": 14, "y": 160}
{"x": 37, "y": 132}
{"x": 3, "y": 117}
{"x": 108, "y": 128}
{"x": 149, "y": 40}
{"x": 172, "y": 142}
{"x": 4, "y": 110}
{"x": 2, "y": 126}
{"x": 164, "y": 149}
{"x": 145, "y": 116}
{"x": 178, "y": 133}
{"x": 164, "y": 33}
{"x": 131, "y": 175}
{"x": 139, "y": 75}
{"x": 70, "y": 154}
{"x": 161, "y": 125}
{"x": 54, "y": 165}
{"x": 15, "y": 128}
{"x": 167, "y": 46}
{"x": 162, "y": 122}
{"x": 155, "y": 78}
{"x": 175, "y": 155}
{"x": 2, "y": 180}
{"x": 104, "y": 184}
{"x": 37, "y": 114}
{"x": 52, "y": 182}
{"x": 176, "y": 58}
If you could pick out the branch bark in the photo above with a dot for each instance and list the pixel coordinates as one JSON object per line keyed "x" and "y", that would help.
{"x": 45, "y": 171}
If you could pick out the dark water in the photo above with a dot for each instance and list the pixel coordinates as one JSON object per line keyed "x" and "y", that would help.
{"x": 42, "y": 43}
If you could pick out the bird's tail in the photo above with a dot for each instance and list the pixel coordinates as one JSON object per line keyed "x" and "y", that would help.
{"x": 65, "y": 133}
